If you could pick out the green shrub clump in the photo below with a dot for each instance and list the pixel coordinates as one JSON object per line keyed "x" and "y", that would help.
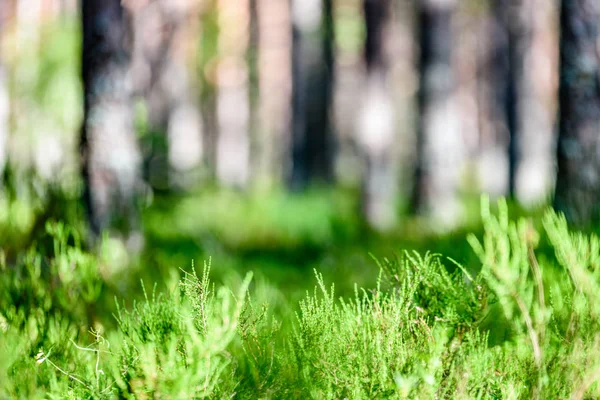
{"x": 523, "y": 323}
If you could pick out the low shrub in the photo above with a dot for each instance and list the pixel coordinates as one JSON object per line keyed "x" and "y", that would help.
{"x": 523, "y": 323}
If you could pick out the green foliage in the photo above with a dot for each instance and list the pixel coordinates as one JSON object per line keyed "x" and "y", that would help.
{"x": 177, "y": 345}
{"x": 45, "y": 89}
{"x": 66, "y": 281}
{"x": 276, "y": 220}
{"x": 524, "y": 326}
{"x": 173, "y": 344}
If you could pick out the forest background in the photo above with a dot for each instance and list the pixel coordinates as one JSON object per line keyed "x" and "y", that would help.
{"x": 139, "y": 138}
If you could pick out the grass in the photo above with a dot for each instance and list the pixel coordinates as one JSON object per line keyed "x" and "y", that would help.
{"x": 517, "y": 317}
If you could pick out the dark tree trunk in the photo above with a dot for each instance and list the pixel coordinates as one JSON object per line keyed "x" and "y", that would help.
{"x": 376, "y": 126}
{"x": 111, "y": 159}
{"x": 504, "y": 66}
{"x": 440, "y": 147}
{"x": 578, "y": 180}
{"x": 312, "y": 58}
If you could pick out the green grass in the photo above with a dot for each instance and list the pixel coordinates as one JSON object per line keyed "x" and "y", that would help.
{"x": 517, "y": 317}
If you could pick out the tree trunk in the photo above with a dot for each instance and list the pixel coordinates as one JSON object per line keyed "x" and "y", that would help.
{"x": 275, "y": 86}
{"x": 208, "y": 87}
{"x": 538, "y": 100}
{"x": 376, "y": 122}
{"x": 233, "y": 98}
{"x": 163, "y": 32}
{"x": 312, "y": 58}
{"x": 503, "y": 77}
{"x": 440, "y": 146}
{"x": 254, "y": 92}
{"x": 578, "y": 180}
{"x": 111, "y": 158}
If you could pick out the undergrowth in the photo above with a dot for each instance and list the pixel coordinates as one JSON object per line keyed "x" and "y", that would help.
{"x": 523, "y": 324}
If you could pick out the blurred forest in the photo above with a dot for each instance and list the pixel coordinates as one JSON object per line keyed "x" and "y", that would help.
{"x": 403, "y": 111}
{"x": 142, "y": 139}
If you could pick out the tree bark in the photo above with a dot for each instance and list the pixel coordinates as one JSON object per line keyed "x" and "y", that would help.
{"x": 111, "y": 158}
{"x": 440, "y": 147}
{"x": 312, "y": 59}
{"x": 578, "y": 179}
{"x": 376, "y": 122}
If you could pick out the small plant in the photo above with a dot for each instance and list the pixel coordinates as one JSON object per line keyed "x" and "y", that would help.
{"x": 176, "y": 345}
{"x": 521, "y": 323}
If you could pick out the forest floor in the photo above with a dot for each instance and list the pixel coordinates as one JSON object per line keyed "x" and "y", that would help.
{"x": 291, "y": 296}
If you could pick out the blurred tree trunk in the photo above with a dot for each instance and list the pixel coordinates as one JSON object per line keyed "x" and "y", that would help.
{"x": 538, "y": 49}
{"x": 578, "y": 180}
{"x": 502, "y": 65}
{"x": 440, "y": 146}
{"x": 255, "y": 143}
{"x": 208, "y": 62}
{"x": 164, "y": 32}
{"x": 350, "y": 84}
{"x": 111, "y": 158}
{"x": 312, "y": 60}
{"x": 275, "y": 86}
{"x": 233, "y": 98}
{"x": 376, "y": 122}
